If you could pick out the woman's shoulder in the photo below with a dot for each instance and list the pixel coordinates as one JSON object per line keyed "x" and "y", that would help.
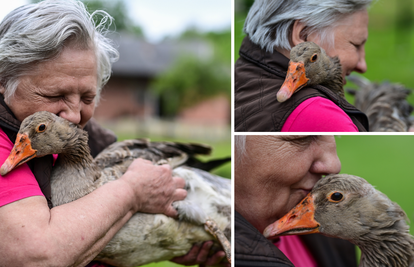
{"x": 18, "y": 184}
{"x": 318, "y": 114}
{"x": 5, "y": 141}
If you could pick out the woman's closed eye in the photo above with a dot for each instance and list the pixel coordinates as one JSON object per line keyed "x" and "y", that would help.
{"x": 54, "y": 97}
{"x": 358, "y": 46}
{"x": 88, "y": 99}
{"x": 300, "y": 140}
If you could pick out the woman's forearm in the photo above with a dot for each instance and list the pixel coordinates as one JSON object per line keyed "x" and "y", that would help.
{"x": 68, "y": 235}
{"x": 92, "y": 221}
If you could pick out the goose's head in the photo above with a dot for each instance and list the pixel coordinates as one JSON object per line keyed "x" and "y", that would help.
{"x": 309, "y": 65}
{"x": 348, "y": 207}
{"x": 40, "y": 134}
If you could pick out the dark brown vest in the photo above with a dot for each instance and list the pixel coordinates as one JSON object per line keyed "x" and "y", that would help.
{"x": 259, "y": 76}
{"x": 99, "y": 138}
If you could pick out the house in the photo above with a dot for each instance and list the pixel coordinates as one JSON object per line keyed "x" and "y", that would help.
{"x": 128, "y": 93}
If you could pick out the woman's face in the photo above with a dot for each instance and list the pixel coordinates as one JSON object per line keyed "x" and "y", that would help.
{"x": 277, "y": 172}
{"x": 350, "y": 37}
{"x": 65, "y": 86}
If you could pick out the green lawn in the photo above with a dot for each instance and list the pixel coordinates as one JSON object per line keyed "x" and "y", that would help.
{"x": 162, "y": 264}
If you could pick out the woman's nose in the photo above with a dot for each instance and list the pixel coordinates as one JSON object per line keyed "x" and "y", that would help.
{"x": 71, "y": 113}
{"x": 327, "y": 160}
{"x": 361, "y": 66}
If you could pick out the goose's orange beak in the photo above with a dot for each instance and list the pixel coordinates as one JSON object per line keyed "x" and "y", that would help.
{"x": 298, "y": 221}
{"x": 295, "y": 80}
{"x": 21, "y": 153}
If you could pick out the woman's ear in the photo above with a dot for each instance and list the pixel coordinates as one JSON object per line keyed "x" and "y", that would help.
{"x": 2, "y": 89}
{"x": 299, "y": 34}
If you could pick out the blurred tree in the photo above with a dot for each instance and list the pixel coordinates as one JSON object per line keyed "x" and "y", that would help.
{"x": 189, "y": 81}
{"x": 220, "y": 40}
{"x": 118, "y": 10}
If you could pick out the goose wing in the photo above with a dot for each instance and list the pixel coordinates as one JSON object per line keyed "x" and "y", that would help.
{"x": 385, "y": 105}
{"x": 176, "y": 154}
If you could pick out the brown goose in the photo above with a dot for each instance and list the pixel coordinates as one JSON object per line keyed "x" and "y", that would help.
{"x": 385, "y": 104}
{"x": 348, "y": 207}
{"x": 310, "y": 65}
{"x": 145, "y": 237}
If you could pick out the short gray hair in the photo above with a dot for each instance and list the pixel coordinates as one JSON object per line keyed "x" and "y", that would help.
{"x": 269, "y": 22}
{"x": 38, "y": 32}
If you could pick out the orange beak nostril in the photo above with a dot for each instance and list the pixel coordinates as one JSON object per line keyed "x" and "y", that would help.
{"x": 292, "y": 217}
{"x": 300, "y": 220}
{"x": 295, "y": 80}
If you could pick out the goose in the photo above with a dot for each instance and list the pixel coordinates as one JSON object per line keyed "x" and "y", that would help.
{"x": 385, "y": 104}
{"x": 203, "y": 215}
{"x": 348, "y": 207}
{"x": 310, "y": 65}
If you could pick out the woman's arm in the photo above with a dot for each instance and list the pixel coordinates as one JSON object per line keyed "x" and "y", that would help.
{"x": 74, "y": 233}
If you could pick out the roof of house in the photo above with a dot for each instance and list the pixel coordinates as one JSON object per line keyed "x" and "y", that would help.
{"x": 140, "y": 58}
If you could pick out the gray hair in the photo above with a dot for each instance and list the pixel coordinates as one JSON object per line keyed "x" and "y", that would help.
{"x": 38, "y": 32}
{"x": 269, "y": 22}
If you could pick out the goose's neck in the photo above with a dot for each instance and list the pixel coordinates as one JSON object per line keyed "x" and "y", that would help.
{"x": 386, "y": 247}
{"x": 334, "y": 79}
{"x": 74, "y": 173}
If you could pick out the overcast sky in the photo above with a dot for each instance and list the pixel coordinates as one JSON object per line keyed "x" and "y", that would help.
{"x": 159, "y": 18}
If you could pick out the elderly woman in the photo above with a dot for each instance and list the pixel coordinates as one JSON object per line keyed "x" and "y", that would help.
{"x": 53, "y": 58}
{"x": 272, "y": 175}
{"x": 273, "y": 27}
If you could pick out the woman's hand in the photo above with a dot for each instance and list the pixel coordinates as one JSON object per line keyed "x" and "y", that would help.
{"x": 199, "y": 255}
{"x": 154, "y": 187}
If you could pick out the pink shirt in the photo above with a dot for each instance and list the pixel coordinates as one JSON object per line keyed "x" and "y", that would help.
{"x": 296, "y": 251}
{"x": 19, "y": 183}
{"x": 318, "y": 114}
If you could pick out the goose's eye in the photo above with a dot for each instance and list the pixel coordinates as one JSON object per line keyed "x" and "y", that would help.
{"x": 314, "y": 58}
{"x": 41, "y": 128}
{"x": 335, "y": 197}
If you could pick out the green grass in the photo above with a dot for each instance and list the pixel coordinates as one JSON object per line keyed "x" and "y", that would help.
{"x": 162, "y": 264}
